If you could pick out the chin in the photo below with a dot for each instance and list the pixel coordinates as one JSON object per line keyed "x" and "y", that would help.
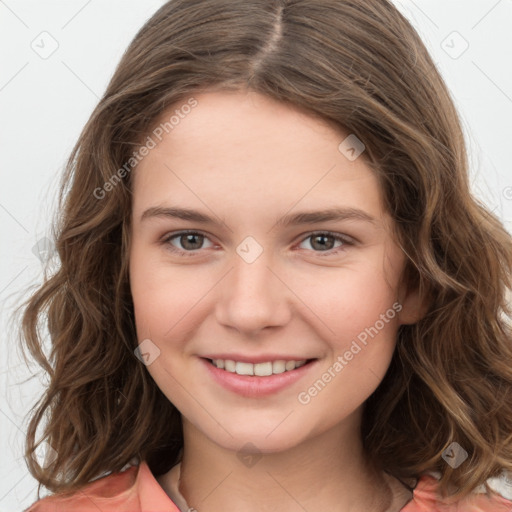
{"x": 257, "y": 440}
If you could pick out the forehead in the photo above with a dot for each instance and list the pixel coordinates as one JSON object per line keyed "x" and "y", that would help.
{"x": 254, "y": 151}
{"x": 225, "y": 123}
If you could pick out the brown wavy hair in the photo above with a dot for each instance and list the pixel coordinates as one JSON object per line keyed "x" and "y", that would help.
{"x": 360, "y": 65}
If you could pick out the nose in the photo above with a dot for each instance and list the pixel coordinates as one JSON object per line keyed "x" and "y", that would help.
{"x": 253, "y": 296}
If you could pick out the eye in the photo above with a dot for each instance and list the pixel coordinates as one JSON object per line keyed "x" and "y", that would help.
{"x": 320, "y": 240}
{"x": 191, "y": 241}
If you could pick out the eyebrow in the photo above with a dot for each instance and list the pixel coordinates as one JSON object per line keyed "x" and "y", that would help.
{"x": 311, "y": 217}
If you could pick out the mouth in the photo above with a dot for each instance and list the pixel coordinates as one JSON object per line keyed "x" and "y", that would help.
{"x": 263, "y": 369}
{"x": 258, "y": 380}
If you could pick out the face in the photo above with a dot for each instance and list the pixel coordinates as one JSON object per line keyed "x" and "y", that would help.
{"x": 246, "y": 279}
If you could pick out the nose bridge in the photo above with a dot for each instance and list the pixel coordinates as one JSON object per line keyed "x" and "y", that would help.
{"x": 252, "y": 297}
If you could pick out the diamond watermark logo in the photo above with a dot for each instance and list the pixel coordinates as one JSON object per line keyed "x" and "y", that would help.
{"x": 454, "y": 455}
{"x": 249, "y": 250}
{"x": 43, "y": 249}
{"x": 455, "y": 45}
{"x": 352, "y": 147}
{"x": 45, "y": 455}
{"x": 45, "y": 45}
{"x": 147, "y": 352}
{"x": 249, "y": 459}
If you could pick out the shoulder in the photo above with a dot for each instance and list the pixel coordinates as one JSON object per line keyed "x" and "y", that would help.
{"x": 426, "y": 497}
{"x": 133, "y": 489}
{"x": 104, "y": 489}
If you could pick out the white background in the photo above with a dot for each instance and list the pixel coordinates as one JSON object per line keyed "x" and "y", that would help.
{"x": 44, "y": 103}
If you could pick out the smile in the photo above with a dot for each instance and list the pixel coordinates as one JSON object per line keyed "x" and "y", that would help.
{"x": 258, "y": 369}
{"x": 257, "y": 380}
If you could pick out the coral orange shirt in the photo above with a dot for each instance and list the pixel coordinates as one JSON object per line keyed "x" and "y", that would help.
{"x": 136, "y": 490}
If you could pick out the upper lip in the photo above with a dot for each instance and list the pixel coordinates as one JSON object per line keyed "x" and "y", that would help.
{"x": 260, "y": 358}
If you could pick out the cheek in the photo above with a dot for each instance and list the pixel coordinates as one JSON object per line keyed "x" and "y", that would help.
{"x": 350, "y": 300}
{"x": 363, "y": 322}
{"x": 359, "y": 307}
{"x": 162, "y": 297}
{"x": 160, "y": 315}
{"x": 365, "y": 306}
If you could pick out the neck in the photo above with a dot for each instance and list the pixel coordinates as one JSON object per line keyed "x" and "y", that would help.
{"x": 327, "y": 472}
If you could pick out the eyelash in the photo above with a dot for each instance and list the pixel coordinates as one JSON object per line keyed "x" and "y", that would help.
{"x": 331, "y": 252}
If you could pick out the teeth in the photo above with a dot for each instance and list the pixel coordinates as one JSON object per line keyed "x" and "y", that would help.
{"x": 290, "y": 365}
{"x": 244, "y": 369}
{"x": 263, "y": 369}
{"x": 259, "y": 369}
{"x": 278, "y": 366}
{"x": 229, "y": 365}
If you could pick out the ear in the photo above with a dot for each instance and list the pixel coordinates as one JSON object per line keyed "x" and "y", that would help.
{"x": 414, "y": 306}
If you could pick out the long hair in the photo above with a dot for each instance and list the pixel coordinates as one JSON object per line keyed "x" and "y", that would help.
{"x": 357, "y": 64}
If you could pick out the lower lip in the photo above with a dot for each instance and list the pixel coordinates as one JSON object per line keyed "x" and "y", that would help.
{"x": 253, "y": 386}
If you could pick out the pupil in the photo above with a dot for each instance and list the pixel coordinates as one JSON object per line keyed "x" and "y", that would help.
{"x": 190, "y": 237}
{"x": 322, "y": 245}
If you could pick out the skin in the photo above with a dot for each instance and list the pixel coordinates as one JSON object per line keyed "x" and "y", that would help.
{"x": 247, "y": 160}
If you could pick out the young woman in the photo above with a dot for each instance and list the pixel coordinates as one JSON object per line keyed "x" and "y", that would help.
{"x": 276, "y": 290}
